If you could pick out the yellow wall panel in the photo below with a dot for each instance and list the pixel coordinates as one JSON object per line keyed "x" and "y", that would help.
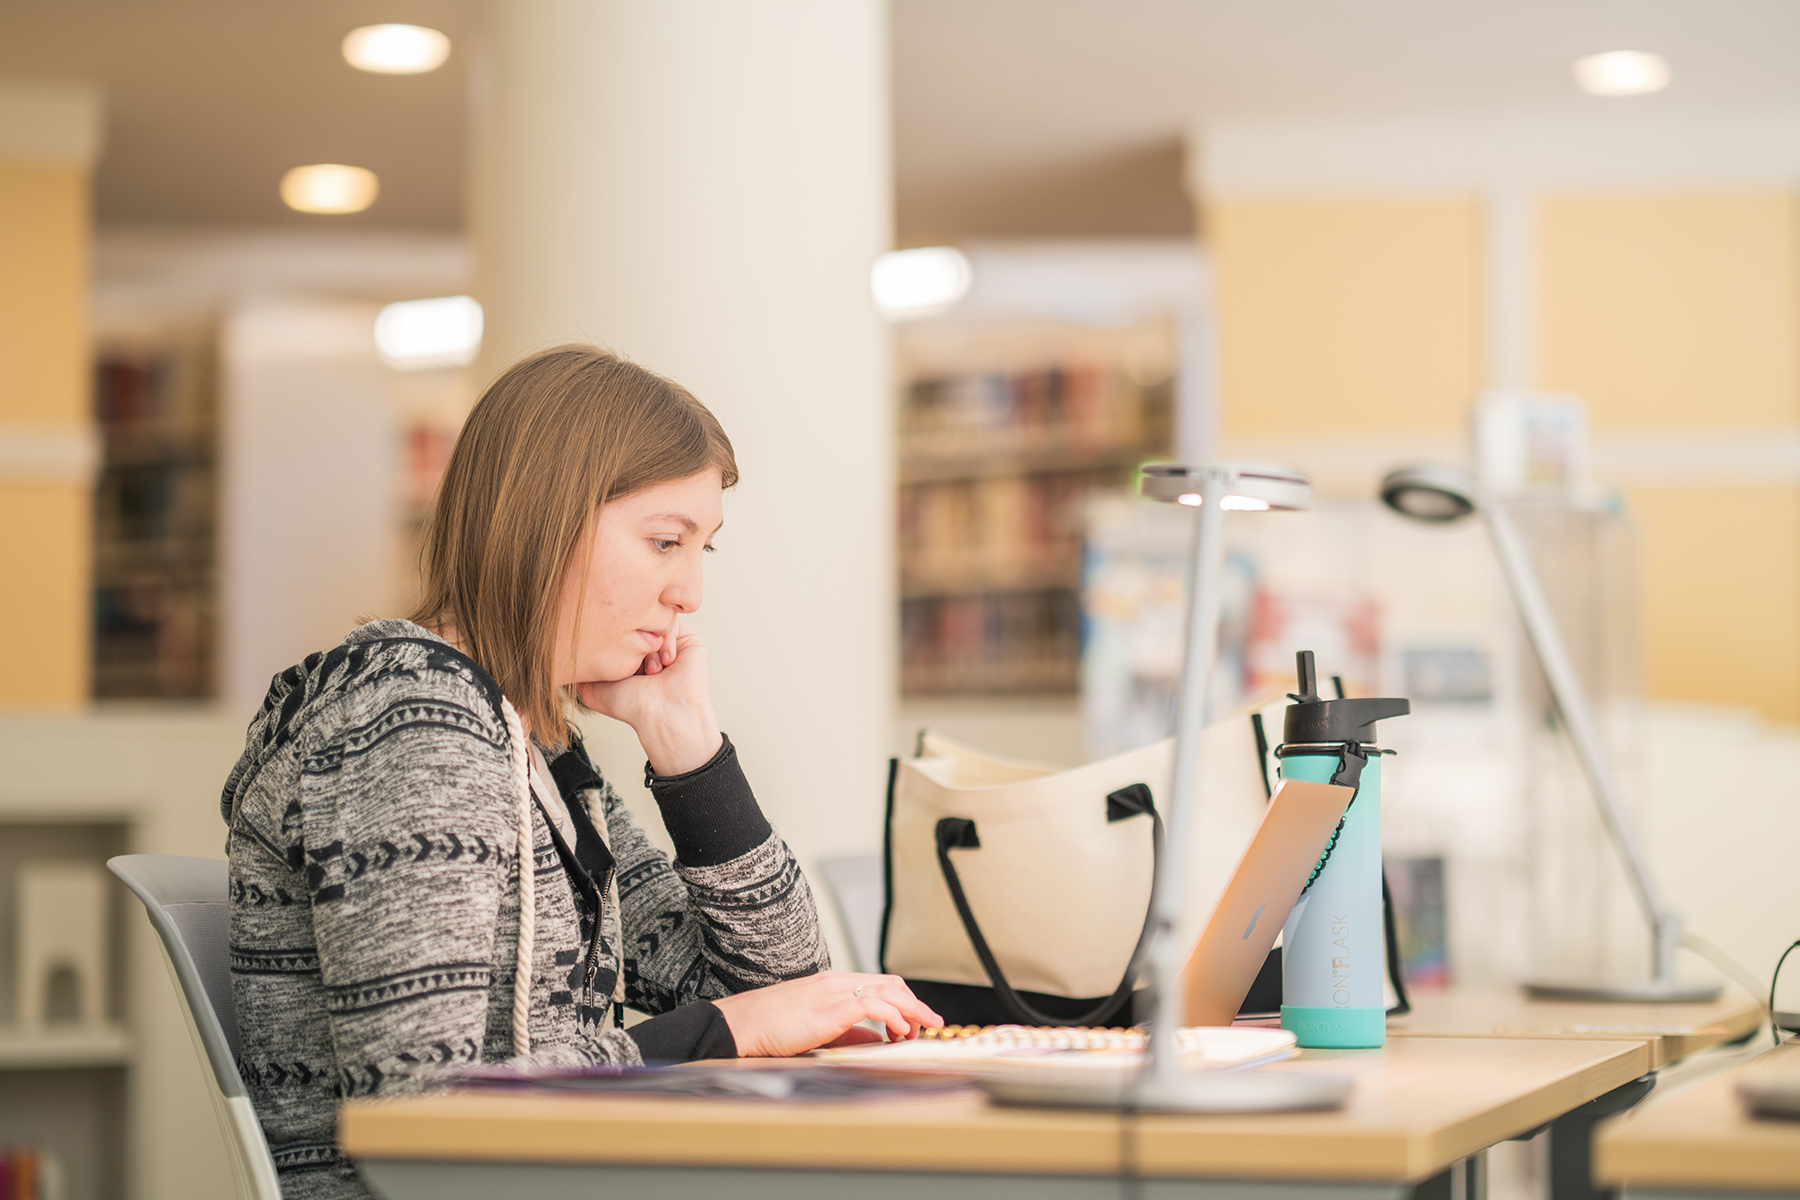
{"x": 45, "y": 545}
{"x": 44, "y": 601}
{"x": 1671, "y": 309}
{"x": 43, "y": 294}
{"x": 1339, "y": 315}
{"x": 1722, "y": 595}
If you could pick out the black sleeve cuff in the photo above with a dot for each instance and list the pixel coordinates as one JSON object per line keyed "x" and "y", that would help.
{"x": 689, "y": 1032}
{"x": 710, "y": 812}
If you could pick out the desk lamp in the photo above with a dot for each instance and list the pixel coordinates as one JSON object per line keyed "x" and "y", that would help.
{"x": 1160, "y": 1085}
{"x": 1439, "y": 495}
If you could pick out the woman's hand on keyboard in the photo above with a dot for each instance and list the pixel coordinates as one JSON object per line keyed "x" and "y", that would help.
{"x": 803, "y": 1014}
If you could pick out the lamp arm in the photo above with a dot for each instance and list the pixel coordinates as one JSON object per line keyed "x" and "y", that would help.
{"x": 1205, "y": 564}
{"x": 1571, "y": 702}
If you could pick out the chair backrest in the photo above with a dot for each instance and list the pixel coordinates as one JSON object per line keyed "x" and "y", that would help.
{"x": 185, "y": 899}
{"x": 859, "y": 894}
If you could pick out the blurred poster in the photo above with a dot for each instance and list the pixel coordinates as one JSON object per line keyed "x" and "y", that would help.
{"x": 1341, "y": 631}
{"x": 1133, "y": 610}
{"x": 1420, "y": 921}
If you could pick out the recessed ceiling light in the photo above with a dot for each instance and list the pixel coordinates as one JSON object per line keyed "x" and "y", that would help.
{"x": 1622, "y": 73}
{"x": 329, "y": 188}
{"x": 912, "y": 283}
{"x": 396, "y": 49}
{"x": 415, "y": 335}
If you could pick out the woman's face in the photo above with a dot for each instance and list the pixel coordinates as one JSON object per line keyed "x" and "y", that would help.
{"x": 644, "y": 571}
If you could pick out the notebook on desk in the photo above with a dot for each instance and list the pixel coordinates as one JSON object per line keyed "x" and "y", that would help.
{"x": 766, "y": 1081}
{"x": 1057, "y": 1046}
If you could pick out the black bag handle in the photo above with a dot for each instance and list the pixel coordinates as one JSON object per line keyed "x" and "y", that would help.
{"x": 1396, "y": 975}
{"x": 959, "y": 833}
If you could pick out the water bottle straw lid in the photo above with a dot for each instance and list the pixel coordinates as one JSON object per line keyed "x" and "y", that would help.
{"x": 1312, "y": 718}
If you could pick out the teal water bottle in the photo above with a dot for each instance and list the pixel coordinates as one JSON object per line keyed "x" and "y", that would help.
{"x": 1332, "y": 947}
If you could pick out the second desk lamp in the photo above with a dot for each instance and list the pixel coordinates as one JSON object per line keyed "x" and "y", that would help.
{"x": 1438, "y": 495}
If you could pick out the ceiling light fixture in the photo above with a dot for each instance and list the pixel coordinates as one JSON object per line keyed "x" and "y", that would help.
{"x": 1622, "y": 73}
{"x": 396, "y": 49}
{"x": 329, "y": 188}
{"x": 417, "y": 335}
{"x": 918, "y": 283}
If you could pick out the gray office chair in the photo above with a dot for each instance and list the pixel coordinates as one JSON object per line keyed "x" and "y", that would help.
{"x": 185, "y": 899}
{"x": 859, "y": 894}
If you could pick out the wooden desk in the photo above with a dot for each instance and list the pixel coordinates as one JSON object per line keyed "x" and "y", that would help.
{"x": 1672, "y": 1031}
{"x": 1702, "y": 1140}
{"x": 1419, "y": 1106}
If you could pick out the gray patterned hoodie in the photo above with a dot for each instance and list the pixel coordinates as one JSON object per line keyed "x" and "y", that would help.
{"x": 374, "y": 856}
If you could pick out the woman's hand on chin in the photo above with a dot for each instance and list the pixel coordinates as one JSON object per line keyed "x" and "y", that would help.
{"x": 798, "y": 1015}
{"x": 667, "y": 703}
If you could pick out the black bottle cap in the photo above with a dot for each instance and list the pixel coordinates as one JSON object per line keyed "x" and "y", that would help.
{"x": 1311, "y": 718}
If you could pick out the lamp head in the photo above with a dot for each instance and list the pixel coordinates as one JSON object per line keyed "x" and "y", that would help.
{"x": 1433, "y": 493}
{"x": 1247, "y": 489}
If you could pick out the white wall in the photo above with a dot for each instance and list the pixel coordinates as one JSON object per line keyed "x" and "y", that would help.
{"x": 1721, "y": 785}
{"x": 1604, "y": 144}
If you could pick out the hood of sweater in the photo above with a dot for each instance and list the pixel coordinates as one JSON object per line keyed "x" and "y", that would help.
{"x": 317, "y": 680}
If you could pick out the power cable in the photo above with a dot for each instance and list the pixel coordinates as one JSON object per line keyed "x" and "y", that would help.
{"x": 1775, "y": 1029}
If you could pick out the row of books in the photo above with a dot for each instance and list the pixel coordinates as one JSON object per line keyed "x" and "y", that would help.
{"x": 145, "y": 400}
{"x": 1081, "y": 405}
{"x": 995, "y": 642}
{"x": 997, "y": 463}
{"x": 155, "y": 518}
{"x": 30, "y": 1173}
{"x": 155, "y": 502}
{"x": 980, "y": 534}
{"x": 132, "y": 391}
{"x": 153, "y": 639}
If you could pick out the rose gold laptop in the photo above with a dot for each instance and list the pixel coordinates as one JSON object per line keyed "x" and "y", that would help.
{"x": 1269, "y": 878}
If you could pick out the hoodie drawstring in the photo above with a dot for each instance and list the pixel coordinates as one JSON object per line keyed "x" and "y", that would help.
{"x": 521, "y": 765}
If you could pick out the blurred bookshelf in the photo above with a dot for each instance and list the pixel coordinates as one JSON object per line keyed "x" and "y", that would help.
{"x": 31, "y": 1173}
{"x": 155, "y": 515}
{"x": 65, "y": 1086}
{"x": 1004, "y": 434}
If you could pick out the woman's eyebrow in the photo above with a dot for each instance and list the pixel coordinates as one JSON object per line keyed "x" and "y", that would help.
{"x": 685, "y": 522}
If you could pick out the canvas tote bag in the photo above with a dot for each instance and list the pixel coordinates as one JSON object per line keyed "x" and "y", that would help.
{"x": 1020, "y": 893}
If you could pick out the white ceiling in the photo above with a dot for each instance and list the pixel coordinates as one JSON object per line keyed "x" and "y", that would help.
{"x": 1011, "y": 116}
{"x": 208, "y": 102}
{"x": 992, "y": 92}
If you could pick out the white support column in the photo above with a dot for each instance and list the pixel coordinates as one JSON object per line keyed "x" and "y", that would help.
{"x": 308, "y": 529}
{"x": 702, "y": 185}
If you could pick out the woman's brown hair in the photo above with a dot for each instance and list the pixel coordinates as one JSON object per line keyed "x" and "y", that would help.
{"x": 556, "y": 436}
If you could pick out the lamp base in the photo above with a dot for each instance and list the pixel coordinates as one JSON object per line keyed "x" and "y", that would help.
{"x": 1201, "y": 1092}
{"x": 1628, "y": 991}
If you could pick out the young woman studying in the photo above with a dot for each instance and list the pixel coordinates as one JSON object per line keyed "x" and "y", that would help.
{"x": 426, "y": 869}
